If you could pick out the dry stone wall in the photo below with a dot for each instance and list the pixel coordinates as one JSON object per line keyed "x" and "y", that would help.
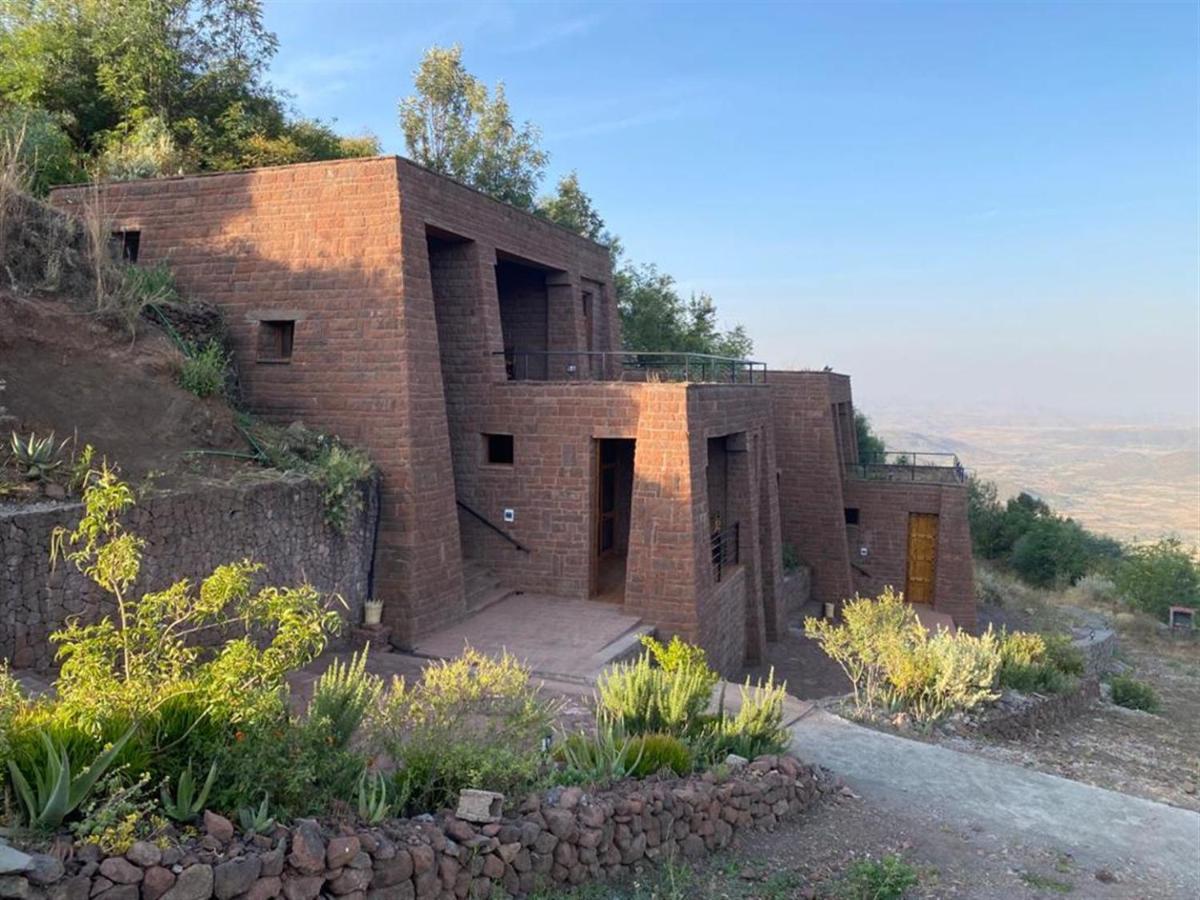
{"x": 564, "y": 837}
{"x": 278, "y": 521}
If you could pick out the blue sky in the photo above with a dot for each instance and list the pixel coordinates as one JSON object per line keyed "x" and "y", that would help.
{"x": 993, "y": 207}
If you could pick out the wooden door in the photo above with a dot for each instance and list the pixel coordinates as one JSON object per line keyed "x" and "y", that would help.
{"x": 922, "y": 557}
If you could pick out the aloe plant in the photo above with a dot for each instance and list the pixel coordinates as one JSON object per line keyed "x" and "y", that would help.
{"x": 187, "y": 804}
{"x": 55, "y": 792}
{"x": 38, "y": 457}
{"x": 374, "y": 804}
{"x": 257, "y": 821}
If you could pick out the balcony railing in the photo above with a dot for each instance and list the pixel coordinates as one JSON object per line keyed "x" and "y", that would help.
{"x": 596, "y": 365}
{"x": 902, "y": 465}
{"x": 725, "y": 549}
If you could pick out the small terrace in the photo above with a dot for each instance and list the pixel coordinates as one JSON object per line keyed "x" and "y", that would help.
{"x": 597, "y": 365}
{"x": 911, "y": 466}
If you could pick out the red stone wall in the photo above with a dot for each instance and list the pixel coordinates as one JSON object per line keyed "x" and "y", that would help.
{"x": 883, "y": 510}
{"x": 341, "y": 248}
{"x": 814, "y": 432}
{"x": 811, "y": 507}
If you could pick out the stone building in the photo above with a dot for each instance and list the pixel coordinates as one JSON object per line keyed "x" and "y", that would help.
{"x": 473, "y": 350}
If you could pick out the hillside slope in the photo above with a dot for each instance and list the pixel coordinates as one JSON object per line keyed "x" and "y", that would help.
{"x": 68, "y": 373}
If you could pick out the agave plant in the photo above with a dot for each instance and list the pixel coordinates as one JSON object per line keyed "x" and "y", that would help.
{"x": 186, "y": 804}
{"x": 374, "y": 804}
{"x": 38, "y": 457}
{"x": 257, "y": 821}
{"x": 56, "y": 792}
{"x": 609, "y": 756}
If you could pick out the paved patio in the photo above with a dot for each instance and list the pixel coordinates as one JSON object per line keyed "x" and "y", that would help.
{"x": 564, "y": 640}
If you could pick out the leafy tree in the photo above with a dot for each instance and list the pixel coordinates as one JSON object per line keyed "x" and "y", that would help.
{"x": 870, "y": 445}
{"x": 155, "y": 86}
{"x": 454, "y": 126}
{"x": 572, "y": 208}
{"x": 41, "y": 146}
{"x": 655, "y": 318}
{"x": 1155, "y": 577}
{"x": 1052, "y": 551}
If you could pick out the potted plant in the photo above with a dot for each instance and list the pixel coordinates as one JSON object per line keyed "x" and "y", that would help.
{"x": 372, "y": 612}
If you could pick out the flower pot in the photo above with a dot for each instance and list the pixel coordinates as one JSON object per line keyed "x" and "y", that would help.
{"x": 372, "y": 612}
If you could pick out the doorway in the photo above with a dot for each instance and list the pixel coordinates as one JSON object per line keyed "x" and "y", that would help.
{"x": 613, "y": 502}
{"x": 922, "y": 557}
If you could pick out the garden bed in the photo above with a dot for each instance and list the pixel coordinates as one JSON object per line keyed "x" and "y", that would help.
{"x": 558, "y": 837}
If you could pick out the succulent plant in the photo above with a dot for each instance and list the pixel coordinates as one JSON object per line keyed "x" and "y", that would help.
{"x": 36, "y": 456}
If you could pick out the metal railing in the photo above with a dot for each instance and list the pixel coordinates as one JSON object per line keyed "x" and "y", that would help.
{"x": 903, "y": 465}
{"x": 601, "y": 365}
{"x": 726, "y": 549}
{"x": 493, "y": 526}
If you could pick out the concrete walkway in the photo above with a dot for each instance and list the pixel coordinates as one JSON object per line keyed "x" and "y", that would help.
{"x": 1099, "y": 828}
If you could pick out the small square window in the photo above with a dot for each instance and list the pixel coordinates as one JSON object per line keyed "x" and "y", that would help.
{"x": 851, "y": 515}
{"x": 499, "y": 449}
{"x": 275, "y": 340}
{"x": 123, "y": 245}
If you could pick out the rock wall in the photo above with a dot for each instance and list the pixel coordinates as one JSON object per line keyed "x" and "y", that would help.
{"x": 278, "y": 521}
{"x": 1037, "y": 712}
{"x": 563, "y": 837}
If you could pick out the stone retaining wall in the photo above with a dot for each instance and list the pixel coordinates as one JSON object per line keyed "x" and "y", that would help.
{"x": 563, "y": 837}
{"x": 1045, "y": 711}
{"x": 277, "y": 521}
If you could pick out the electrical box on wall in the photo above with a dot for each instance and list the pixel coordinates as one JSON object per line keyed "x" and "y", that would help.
{"x": 510, "y": 515}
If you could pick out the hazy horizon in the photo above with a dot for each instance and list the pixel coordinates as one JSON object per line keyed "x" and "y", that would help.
{"x": 986, "y": 207}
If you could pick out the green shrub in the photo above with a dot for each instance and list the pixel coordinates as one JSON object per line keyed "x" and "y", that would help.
{"x": 1155, "y": 577}
{"x": 470, "y": 722}
{"x": 339, "y": 469}
{"x": 608, "y": 755}
{"x": 654, "y": 752}
{"x": 885, "y": 879}
{"x": 1045, "y": 664}
{"x": 668, "y": 690}
{"x": 645, "y": 698}
{"x": 874, "y": 634}
{"x": 204, "y": 369}
{"x": 1134, "y": 694}
{"x": 1097, "y": 589}
{"x": 946, "y": 673}
{"x": 143, "y": 681}
{"x": 342, "y": 697}
{"x": 1063, "y": 655}
{"x": 891, "y": 660}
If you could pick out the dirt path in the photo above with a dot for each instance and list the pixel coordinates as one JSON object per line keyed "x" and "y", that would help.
{"x": 1153, "y": 850}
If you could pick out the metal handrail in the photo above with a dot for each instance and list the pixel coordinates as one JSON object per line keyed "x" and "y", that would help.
{"x": 613, "y": 365}
{"x": 492, "y": 525}
{"x": 725, "y": 546}
{"x": 914, "y": 463}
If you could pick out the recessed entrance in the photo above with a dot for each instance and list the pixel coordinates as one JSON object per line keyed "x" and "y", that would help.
{"x": 613, "y": 501}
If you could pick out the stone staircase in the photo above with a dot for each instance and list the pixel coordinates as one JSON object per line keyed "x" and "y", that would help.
{"x": 483, "y": 588}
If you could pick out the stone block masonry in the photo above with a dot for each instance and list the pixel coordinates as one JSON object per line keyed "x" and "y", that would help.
{"x": 278, "y": 521}
{"x": 559, "y": 839}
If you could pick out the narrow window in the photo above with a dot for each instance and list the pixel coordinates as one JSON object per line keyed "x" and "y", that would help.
{"x": 275, "y": 340}
{"x": 124, "y": 245}
{"x": 851, "y": 515}
{"x": 499, "y": 449}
